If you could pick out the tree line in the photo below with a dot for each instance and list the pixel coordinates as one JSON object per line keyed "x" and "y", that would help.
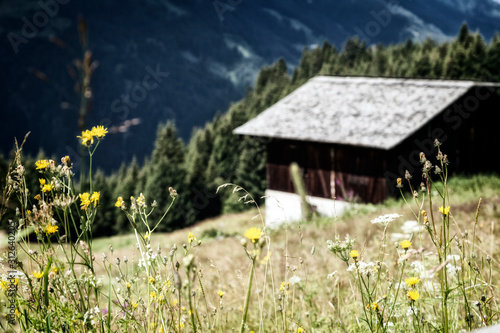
{"x": 214, "y": 155}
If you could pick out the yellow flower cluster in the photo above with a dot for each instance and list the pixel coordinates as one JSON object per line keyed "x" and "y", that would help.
{"x": 87, "y": 199}
{"x": 88, "y": 135}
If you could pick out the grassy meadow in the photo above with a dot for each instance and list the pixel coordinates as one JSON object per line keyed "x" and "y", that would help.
{"x": 425, "y": 263}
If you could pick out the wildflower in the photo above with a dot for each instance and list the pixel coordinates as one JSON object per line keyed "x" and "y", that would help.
{"x": 37, "y": 275}
{"x": 294, "y": 280}
{"x": 375, "y": 306}
{"x": 94, "y": 198}
{"x": 220, "y": 293}
{"x": 354, "y": 254}
{"x": 253, "y": 234}
{"x": 42, "y": 181}
{"x": 284, "y": 286}
{"x": 41, "y": 164}
{"x": 128, "y": 286}
{"x": 47, "y": 188}
{"x": 191, "y": 238}
{"x": 151, "y": 280}
{"x": 134, "y": 305}
{"x": 384, "y": 220}
{"x": 38, "y": 197}
{"x": 413, "y": 295}
{"x": 444, "y": 210}
{"x": 51, "y": 229}
{"x": 412, "y": 281}
{"x": 399, "y": 183}
{"x": 85, "y": 199}
{"x": 3, "y": 284}
{"x": 146, "y": 236}
{"x": 405, "y": 244}
{"x": 119, "y": 202}
{"x": 152, "y": 294}
{"x": 99, "y": 131}
{"x": 66, "y": 160}
{"x": 299, "y": 330}
{"x": 87, "y": 138}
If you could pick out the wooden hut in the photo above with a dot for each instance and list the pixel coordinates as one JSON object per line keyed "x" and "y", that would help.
{"x": 353, "y": 136}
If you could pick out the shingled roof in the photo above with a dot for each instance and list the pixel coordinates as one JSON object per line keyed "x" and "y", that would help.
{"x": 361, "y": 111}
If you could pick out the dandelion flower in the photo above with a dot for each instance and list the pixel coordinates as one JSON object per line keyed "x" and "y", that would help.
{"x": 405, "y": 244}
{"x": 253, "y": 234}
{"x": 87, "y": 138}
{"x": 47, "y": 188}
{"x": 119, "y": 202}
{"x": 354, "y": 254}
{"x": 413, "y": 295}
{"x": 41, "y": 164}
{"x": 191, "y": 238}
{"x": 412, "y": 281}
{"x": 94, "y": 198}
{"x": 220, "y": 293}
{"x": 37, "y": 275}
{"x": 51, "y": 229}
{"x": 99, "y": 131}
{"x": 85, "y": 200}
{"x": 444, "y": 210}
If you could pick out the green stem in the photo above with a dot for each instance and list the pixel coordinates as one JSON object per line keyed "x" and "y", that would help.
{"x": 247, "y": 300}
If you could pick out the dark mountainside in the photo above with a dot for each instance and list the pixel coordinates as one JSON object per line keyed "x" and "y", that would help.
{"x": 179, "y": 60}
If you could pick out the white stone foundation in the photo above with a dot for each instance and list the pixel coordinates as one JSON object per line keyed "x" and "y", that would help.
{"x": 284, "y": 206}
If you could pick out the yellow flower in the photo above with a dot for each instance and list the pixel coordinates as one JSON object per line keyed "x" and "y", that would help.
{"x": 152, "y": 294}
{"x": 37, "y": 275}
{"x": 87, "y": 138}
{"x": 41, "y": 164}
{"x": 253, "y": 234}
{"x": 354, "y": 254}
{"x": 146, "y": 236}
{"x": 99, "y": 131}
{"x": 413, "y": 295}
{"x": 174, "y": 302}
{"x": 66, "y": 160}
{"x": 38, "y": 197}
{"x": 444, "y": 210}
{"x": 300, "y": 330}
{"x": 191, "y": 237}
{"x": 42, "y": 181}
{"x": 119, "y": 202}
{"x": 128, "y": 286}
{"x": 405, "y": 244}
{"x": 85, "y": 200}
{"x": 375, "y": 306}
{"x": 412, "y": 281}
{"x": 95, "y": 198}
{"x": 51, "y": 229}
{"x": 134, "y": 305}
{"x": 424, "y": 213}
{"x": 3, "y": 284}
{"x": 220, "y": 293}
{"x": 284, "y": 286}
{"x": 151, "y": 280}
{"x": 47, "y": 188}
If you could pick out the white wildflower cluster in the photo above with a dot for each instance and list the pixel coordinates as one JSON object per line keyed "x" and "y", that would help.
{"x": 410, "y": 227}
{"x": 363, "y": 268}
{"x": 384, "y": 220}
{"x": 341, "y": 248}
{"x": 294, "y": 280}
{"x": 92, "y": 316}
{"x": 419, "y": 269}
